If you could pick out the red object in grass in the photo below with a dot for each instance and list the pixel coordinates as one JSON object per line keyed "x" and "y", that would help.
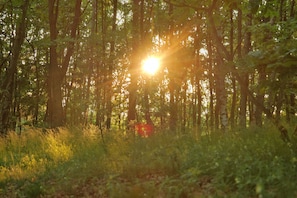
{"x": 144, "y": 130}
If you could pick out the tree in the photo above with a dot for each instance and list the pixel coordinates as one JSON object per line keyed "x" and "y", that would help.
{"x": 58, "y": 66}
{"x": 8, "y": 83}
{"x": 224, "y": 63}
{"x": 135, "y": 61}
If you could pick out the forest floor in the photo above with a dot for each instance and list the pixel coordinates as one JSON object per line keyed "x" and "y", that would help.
{"x": 78, "y": 163}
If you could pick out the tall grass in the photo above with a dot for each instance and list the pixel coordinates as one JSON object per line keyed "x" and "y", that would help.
{"x": 78, "y": 162}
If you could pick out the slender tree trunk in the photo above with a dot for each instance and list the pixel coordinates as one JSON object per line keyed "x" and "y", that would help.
{"x": 233, "y": 112}
{"x": 292, "y": 97}
{"x": 221, "y": 96}
{"x": 260, "y": 96}
{"x": 162, "y": 107}
{"x": 173, "y": 120}
{"x": 111, "y": 63}
{"x": 211, "y": 105}
{"x": 172, "y": 108}
{"x": 106, "y": 69}
{"x": 93, "y": 62}
{"x": 279, "y": 102}
{"x": 197, "y": 73}
{"x": 99, "y": 97}
{"x": 220, "y": 73}
{"x": 147, "y": 83}
{"x": 199, "y": 105}
{"x": 245, "y": 76}
{"x": 251, "y": 105}
{"x": 7, "y": 87}
{"x": 292, "y": 105}
{"x": 287, "y": 108}
{"x": 292, "y": 9}
{"x": 147, "y": 102}
{"x": 98, "y": 65}
{"x": 88, "y": 90}
{"x": 243, "y": 101}
{"x": 194, "y": 108}
{"x": 134, "y": 61}
{"x": 234, "y": 88}
{"x": 211, "y": 87}
{"x": 37, "y": 91}
{"x": 184, "y": 108}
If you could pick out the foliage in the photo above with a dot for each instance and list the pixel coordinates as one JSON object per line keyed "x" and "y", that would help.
{"x": 221, "y": 60}
{"x": 248, "y": 163}
{"x": 192, "y": 39}
{"x": 252, "y": 162}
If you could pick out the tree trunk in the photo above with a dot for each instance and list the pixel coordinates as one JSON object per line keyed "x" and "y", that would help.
{"x": 260, "y": 96}
{"x": 245, "y": 76}
{"x": 234, "y": 88}
{"x": 173, "y": 119}
{"x": 234, "y": 103}
{"x": 110, "y": 66}
{"x": 211, "y": 86}
{"x": 184, "y": 108}
{"x": 279, "y": 100}
{"x": 146, "y": 101}
{"x": 7, "y": 87}
{"x": 292, "y": 9}
{"x": 222, "y": 54}
{"x": 172, "y": 107}
{"x": 55, "y": 117}
{"x": 243, "y": 101}
{"x": 197, "y": 73}
{"x": 199, "y": 105}
{"x": 134, "y": 61}
{"x": 221, "y": 95}
{"x": 193, "y": 108}
{"x": 292, "y": 105}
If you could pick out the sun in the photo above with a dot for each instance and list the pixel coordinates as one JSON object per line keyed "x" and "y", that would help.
{"x": 151, "y": 65}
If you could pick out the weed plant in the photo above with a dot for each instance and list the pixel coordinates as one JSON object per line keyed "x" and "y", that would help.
{"x": 77, "y": 162}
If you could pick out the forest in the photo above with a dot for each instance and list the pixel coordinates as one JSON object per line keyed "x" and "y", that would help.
{"x": 211, "y": 83}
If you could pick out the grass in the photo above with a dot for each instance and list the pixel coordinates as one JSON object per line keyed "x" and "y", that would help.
{"x": 78, "y": 163}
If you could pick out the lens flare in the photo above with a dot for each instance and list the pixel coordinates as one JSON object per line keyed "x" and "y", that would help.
{"x": 151, "y": 65}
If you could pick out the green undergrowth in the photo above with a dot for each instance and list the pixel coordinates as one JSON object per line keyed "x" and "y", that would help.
{"x": 77, "y": 162}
